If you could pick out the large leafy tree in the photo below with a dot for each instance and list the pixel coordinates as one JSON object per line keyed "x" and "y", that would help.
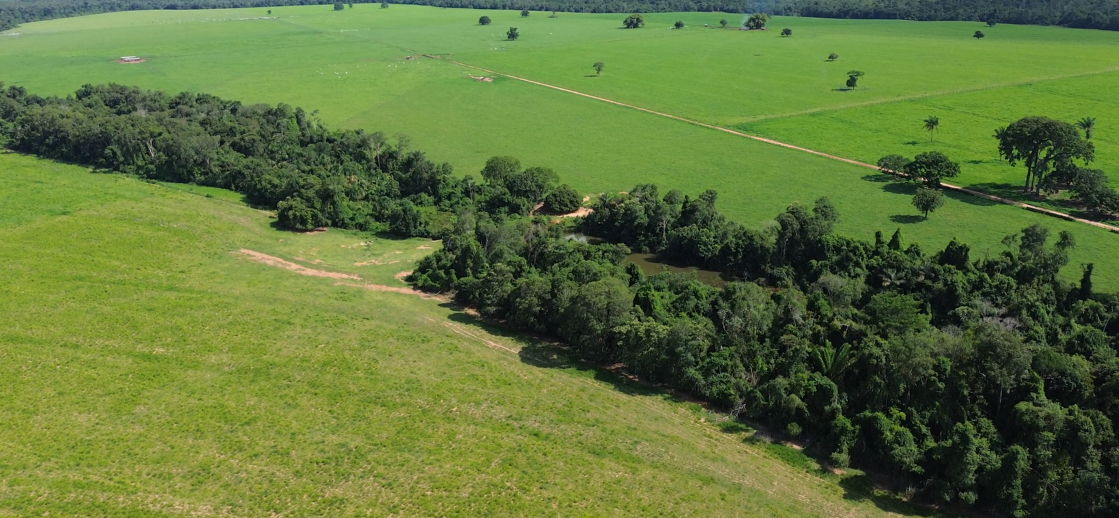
{"x": 1047, "y": 148}
{"x": 931, "y": 168}
{"x": 634, "y": 21}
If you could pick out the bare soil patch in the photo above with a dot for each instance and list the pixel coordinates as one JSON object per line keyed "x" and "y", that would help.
{"x": 297, "y": 268}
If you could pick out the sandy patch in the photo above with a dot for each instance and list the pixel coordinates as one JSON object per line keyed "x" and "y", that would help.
{"x": 401, "y": 275}
{"x": 288, "y": 265}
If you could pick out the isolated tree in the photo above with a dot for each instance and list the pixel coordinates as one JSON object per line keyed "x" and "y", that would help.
{"x": 978, "y": 35}
{"x": 512, "y": 34}
{"x": 833, "y": 56}
{"x": 553, "y": 15}
{"x": 338, "y": 6}
{"x": 384, "y": 5}
{"x": 485, "y": 20}
{"x": 756, "y": 21}
{"x": 928, "y": 200}
{"x": 598, "y": 66}
{"x": 786, "y": 32}
{"x": 1087, "y": 124}
{"x": 634, "y": 21}
{"x": 1047, "y": 147}
{"x": 269, "y": 12}
{"x": 991, "y": 23}
{"x": 931, "y": 168}
{"x": 853, "y": 78}
{"x": 723, "y": 23}
{"x": 1089, "y": 187}
{"x": 524, "y": 13}
{"x": 350, "y": 5}
{"x": 679, "y": 24}
{"x": 893, "y": 165}
{"x": 932, "y": 124}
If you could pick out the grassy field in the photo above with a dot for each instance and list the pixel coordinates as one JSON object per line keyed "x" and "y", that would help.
{"x": 152, "y": 370}
{"x": 351, "y": 65}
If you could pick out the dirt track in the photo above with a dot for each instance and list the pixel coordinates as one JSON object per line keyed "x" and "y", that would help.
{"x": 311, "y": 272}
{"x": 956, "y": 188}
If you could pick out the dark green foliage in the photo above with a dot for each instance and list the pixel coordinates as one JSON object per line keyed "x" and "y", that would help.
{"x": 978, "y": 35}
{"x": 634, "y": 21}
{"x": 484, "y": 20}
{"x": 338, "y": 6}
{"x": 723, "y": 23}
{"x": 1090, "y": 188}
{"x": 524, "y": 13}
{"x": 1048, "y": 148}
{"x": 928, "y": 200}
{"x": 278, "y": 157}
{"x": 786, "y": 32}
{"x": 893, "y": 165}
{"x": 598, "y": 66}
{"x": 853, "y": 78}
{"x": 679, "y": 24}
{"x": 512, "y": 34}
{"x": 562, "y": 200}
{"x": 756, "y": 21}
{"x": 833, "y": 56}
{"x": 930, "y": 168}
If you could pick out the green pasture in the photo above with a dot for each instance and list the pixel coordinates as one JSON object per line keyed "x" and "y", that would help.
{"x": 352, "y": 66}
{"x": 151, "y": 370}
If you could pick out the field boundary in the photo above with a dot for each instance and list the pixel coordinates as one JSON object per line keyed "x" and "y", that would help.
{"x": 956, "y": 188}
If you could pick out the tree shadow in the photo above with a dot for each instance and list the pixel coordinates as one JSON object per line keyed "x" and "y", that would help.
{"x": 878, "y": 178}
{"x": 842, "y": 89}
{"x": 974, "y": 162}
{"x": 591, "y": 75}
{"x": 906, "y": 219}
{"x": 547, "y": 354}
{"x": 905, "y": 188}
{"x": 913, "y": 143}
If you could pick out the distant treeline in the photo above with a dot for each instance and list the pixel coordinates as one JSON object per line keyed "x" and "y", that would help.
{"x": 987, "y": 382}
{"x": 15, "y": 12}
{"x": 1091, "y": 14}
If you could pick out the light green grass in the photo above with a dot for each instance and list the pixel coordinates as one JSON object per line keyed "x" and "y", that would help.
{"x": 351, "y": 66}
{"x": 150, "y": 370}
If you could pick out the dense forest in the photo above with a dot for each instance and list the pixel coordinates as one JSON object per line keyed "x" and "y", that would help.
{"x": 1093, "y": 14}
{"x": 986, "y": 382}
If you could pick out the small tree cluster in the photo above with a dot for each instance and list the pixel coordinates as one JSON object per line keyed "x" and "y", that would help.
{"x": 756, "y": 21}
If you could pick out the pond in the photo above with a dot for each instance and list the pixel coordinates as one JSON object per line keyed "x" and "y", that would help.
{"x": 650, "y": 264}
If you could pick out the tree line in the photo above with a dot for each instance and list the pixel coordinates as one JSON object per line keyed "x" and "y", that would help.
{"x": 279, "y": 157}
{"x": 1092, "y": 14}
{"x": 982, "y": 380}
{"x": 977, "y": 380}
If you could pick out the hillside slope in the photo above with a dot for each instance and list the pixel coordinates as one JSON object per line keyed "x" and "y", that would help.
{"x": 154, "y": 369}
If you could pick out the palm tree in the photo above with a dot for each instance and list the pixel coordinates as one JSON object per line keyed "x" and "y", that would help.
{"x": 932, "y": 124}
{"x": 1087, "y": 124}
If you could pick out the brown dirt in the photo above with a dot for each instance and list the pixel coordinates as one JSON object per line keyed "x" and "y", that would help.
{"x": 141, "y": 60}
{"x": 956, "y": 188}
{"x": 401, "y": 275}
{"x": 288, "y": 265}
{"x": 423, "y": 247}
{"x": 369, "y": 262}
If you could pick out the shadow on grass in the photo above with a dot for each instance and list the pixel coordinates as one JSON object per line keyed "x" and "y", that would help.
{"x": 859, "y": 488}
{"x": 539, "y": 353}
{"x": 913, "y": 143}
{"x": 906, "y": 219}
{"x": 878, "y": 178}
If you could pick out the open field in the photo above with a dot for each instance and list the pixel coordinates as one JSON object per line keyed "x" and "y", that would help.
{"x": 153, "y": 370}
{"x": 351, "y": 65}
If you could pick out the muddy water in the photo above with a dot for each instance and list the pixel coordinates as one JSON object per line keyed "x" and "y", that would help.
{"x": 650, "y": 265}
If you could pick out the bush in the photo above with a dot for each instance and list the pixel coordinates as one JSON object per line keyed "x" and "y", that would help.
{"x": 485, "y": 20}
{"x": 562, "y": 200}
{"x": 634, "y": 21}
{"x": 292, "y": 213}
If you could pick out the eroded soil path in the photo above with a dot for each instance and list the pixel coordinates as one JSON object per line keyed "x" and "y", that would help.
{"x": 311, "y": 272}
